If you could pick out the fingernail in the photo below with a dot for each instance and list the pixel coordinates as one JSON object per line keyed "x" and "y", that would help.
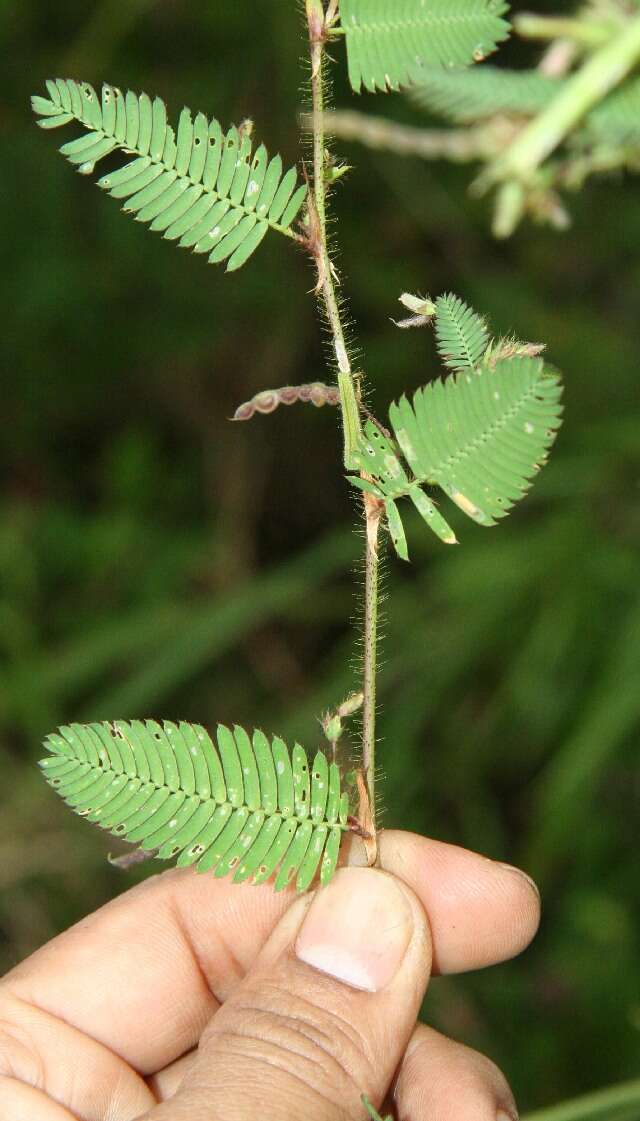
{"x": 357, "y": 929}
{"x": 502, "y": 1115}
{"x": 523, "y": 876}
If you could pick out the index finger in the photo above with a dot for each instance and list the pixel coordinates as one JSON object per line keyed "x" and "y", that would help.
{"x": 145, "y": 973}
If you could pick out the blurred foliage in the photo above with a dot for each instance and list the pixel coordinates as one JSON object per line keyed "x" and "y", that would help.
{"x": 153, "y": 561}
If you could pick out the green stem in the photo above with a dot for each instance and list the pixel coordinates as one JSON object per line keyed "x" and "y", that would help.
{"x": 599, "y": 75}
{"x": 348, "y": 397}
{"x": 371, "y": 603}
{"x": 587, "y": 33}
{"x": 460, "y": 145}
{"x": 350, "y": 410}
{"x": 601, "y": 1105}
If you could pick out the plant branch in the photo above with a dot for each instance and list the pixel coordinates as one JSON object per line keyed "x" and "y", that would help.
{"x": 587, "y": 33}
{"x": 319, "y": 23}
{"x": 373, "y": 513}
{"x": 326, "y": 272}
{"x": 581, "y": 92}
{"x": 458, "y": 145}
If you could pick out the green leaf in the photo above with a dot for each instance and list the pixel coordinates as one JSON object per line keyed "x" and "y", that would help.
{"x": 479, "y": 92}
{"x": 378, "y": 457}
{"x": 482, "y": 436}
{"x": 462, "y": 335}
{"x": 240, "y": 805}
{"x": 206, "y": 190}
{"x": 388, "y": 44}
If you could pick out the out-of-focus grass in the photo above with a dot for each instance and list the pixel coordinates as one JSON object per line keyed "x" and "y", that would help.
{"x": 155, "y": 559}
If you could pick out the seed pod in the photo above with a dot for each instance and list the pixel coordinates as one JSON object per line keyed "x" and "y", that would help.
{"x": 269, "y": 400}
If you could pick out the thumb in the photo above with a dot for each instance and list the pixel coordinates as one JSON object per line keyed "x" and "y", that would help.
{"x": 325, "y": 1014}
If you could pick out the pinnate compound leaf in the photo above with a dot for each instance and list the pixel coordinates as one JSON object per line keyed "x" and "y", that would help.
{"x": 477, "y": 93}
{"x": 461, "y": 334}
{"x": 473, "y": 94}
{"x": 388, "y": 43}
{"x": 481, "y": 435}
{"x": 242, "y": 805}
{"x": 207, "y": 190}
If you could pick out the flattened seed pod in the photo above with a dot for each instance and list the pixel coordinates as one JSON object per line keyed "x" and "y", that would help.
{"x": 268, "y": 400}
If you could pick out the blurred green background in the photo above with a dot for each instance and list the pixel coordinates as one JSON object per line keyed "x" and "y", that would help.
{"x": 157, "y": 560}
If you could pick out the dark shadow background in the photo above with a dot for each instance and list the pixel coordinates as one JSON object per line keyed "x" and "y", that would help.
{"x": 157, "y": 560}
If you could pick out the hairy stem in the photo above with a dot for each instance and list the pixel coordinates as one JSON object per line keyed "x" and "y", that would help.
{"x": 373, "y": 514}
{"x": 318, "y": 21}
{"x": 326, "y": 272}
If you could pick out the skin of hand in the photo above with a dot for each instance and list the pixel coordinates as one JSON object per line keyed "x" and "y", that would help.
{"x": 189, "y": 998}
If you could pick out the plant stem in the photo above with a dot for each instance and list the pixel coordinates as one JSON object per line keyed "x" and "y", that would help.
{"x": 326, "y": 282}
{"x": 601, "y": 1105}
{"x": 586, "y": 88}
{"x": 458, "y": 145}
{"x": 372, "y": 598}
{"x": 317, "y": 21}
{"x": 587, "y": 33}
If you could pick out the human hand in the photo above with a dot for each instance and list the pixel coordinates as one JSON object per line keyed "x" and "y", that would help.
{"x": 192, "y": 999}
